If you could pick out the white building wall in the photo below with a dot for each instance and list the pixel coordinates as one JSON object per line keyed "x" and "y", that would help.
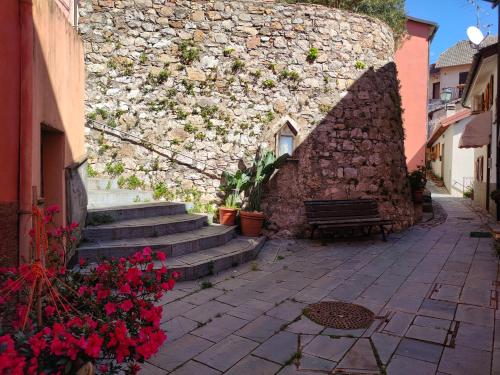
{"x": 462, "y": 169}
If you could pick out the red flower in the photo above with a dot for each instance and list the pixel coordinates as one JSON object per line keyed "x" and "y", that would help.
{"x": 126, "y": 305}
{"x": 49, "y": 311}
{"x": 93, "y": 346}
{"x": 161, "y": 256}
{"x": 110, "y": 308}
{"x": 125, "y": 289}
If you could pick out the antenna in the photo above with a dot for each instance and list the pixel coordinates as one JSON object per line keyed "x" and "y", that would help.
{"x": 475, "y": 35}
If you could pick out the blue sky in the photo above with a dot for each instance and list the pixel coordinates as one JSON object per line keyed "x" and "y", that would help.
{"x": 453, "y": 17}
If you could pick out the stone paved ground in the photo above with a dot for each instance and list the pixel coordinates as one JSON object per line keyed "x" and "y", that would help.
{"x": 434, "y": 290}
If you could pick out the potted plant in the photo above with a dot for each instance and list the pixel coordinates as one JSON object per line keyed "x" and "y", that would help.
{"x": 252, "y": 219}
{"x": 418, "y": 181}
{"x": 233, "y": 185}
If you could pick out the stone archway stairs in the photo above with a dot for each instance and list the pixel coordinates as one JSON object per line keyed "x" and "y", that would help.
{"x": 193, "y": 248}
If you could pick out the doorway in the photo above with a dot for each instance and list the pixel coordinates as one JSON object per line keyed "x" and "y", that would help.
{"x": 52, "y": 168}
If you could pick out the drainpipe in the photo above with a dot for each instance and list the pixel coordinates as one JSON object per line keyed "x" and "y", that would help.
{"x": 26, "y": 127}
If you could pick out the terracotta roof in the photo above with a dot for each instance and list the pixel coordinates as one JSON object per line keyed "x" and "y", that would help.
{"x": 446, "y": 123}
{"x": 462, "y": 53}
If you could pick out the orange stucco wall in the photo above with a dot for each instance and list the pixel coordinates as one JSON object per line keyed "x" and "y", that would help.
{"x": 41, "y": 90}
{"x": 412, "y": 60}
{"x": 59, "y": 87}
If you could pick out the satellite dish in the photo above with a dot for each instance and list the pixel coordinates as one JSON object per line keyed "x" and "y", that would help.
{"x": 475, "y": 35}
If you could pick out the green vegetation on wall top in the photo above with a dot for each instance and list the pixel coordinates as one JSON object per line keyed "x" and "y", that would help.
{"x": 392, "y": 12}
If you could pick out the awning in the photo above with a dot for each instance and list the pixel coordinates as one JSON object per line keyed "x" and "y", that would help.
{"x": 477, "y": 133}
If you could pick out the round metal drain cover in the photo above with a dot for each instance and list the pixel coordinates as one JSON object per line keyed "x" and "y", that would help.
{"x": 339, "y": 315}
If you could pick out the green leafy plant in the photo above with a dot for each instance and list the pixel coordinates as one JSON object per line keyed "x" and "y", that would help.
{"x": 190, "y": 128}
{"x": 237, "y": 65}
{"x": 189, "y": 52}
{"x": 102, "y": 113}
{"x": 91, "y": 172}
{"x": 143, "y": 58}
{"x": 324, "y": 108}
{"x": 268, "y": 84}
{"x": 162, "y": 76}
{"x": 418, "y": 179}
{"x": 360, "y": 65}
{"x": 133, "y": 182}
{"x": 469, "y": 192}
{"x": 259, "y": 174}
{"x": 115, "y": 169}
{"x": 228, "y": 51}
{"x": 161, "y": 190}
{"x": 312, "y": 55}
{"x": 232, "y": 187}
{"x": 199, "y": 136}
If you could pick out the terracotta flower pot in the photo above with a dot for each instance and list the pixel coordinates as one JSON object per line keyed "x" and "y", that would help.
{"x": 251, "y": 223}
{"x": 227, "y": 216}
{"x": 418, "y": 196}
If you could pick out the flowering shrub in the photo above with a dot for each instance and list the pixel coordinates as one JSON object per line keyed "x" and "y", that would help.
{"x": 54, "y": 320}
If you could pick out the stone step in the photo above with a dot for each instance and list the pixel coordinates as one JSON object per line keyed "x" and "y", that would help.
{"x": 173, "y": 244}
{"x": 144, "y": 227}
{"x": 117, "y": 197}
{"x": 211, "y": 261}
{"x": 134, "y": 211}
{"x": 102, "y": 183}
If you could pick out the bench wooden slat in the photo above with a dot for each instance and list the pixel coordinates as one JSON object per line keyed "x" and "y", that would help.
{"x": 344, "y": 213}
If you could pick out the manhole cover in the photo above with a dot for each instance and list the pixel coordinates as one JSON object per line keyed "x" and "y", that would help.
{"x": 340, "y": 315}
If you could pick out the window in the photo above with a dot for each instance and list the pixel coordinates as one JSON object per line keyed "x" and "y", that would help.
{"x": 436, "y": 90}
{"x": 462, "y": 78}
{"x": 286, "y": 139}
{"x": 285, "y": 145}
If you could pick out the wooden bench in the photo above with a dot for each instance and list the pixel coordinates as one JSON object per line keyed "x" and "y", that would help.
{"x": 359, "y": 213}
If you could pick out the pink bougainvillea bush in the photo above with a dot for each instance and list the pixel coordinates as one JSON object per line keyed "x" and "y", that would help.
{"x": 54, "y": 320}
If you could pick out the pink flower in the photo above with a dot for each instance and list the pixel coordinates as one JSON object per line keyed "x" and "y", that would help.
{"x": 82, "y": 262}
{"x": 49, "y": 311}
{"x": 93, "y": 346}
{"x": 126, "y": 305}
{"x": 125, "y": 289}
{"x": 110, "y": 308}
{"x": 161, "y": 256}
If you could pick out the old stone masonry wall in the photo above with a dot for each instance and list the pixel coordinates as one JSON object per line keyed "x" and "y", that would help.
{"x": 195, "y": 87}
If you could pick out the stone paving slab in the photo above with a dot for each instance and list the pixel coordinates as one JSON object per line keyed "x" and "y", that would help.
{"x": 462, "y": 360}
{"x": 279, "y": 348}
{"x": 329, "y": 348}
{"x": 251, "y": 365}
{"x": 420, "y": 350}
{"x": 193, "y": 367}
{"x": 219, "y": 328}
{"x": 360, "y": 357}
{"x": 261, "y": 328}
{"x": 223, "y": 355}
{"x": 424, "y": 283}
{"x": 177, "y": 352}
{"x": 409, "y": 366}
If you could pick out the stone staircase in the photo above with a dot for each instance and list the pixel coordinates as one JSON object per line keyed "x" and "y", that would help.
{"x": 193, "y": 248}
{"x": 105, "y": 192}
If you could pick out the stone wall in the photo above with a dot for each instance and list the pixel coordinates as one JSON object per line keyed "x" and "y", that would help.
{"x": 198, "y": 86}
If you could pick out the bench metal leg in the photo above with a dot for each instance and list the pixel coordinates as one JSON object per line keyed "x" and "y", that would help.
{"x": 384, "y": 238}
{"x": 312, "y": 232}
{"x": 322, "y": 237}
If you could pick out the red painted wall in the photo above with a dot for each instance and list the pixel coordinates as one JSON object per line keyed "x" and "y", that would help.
{"x": 9, "y": 125}
{"x": 412, "y": 61}
{"x": 41, "y": 90}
